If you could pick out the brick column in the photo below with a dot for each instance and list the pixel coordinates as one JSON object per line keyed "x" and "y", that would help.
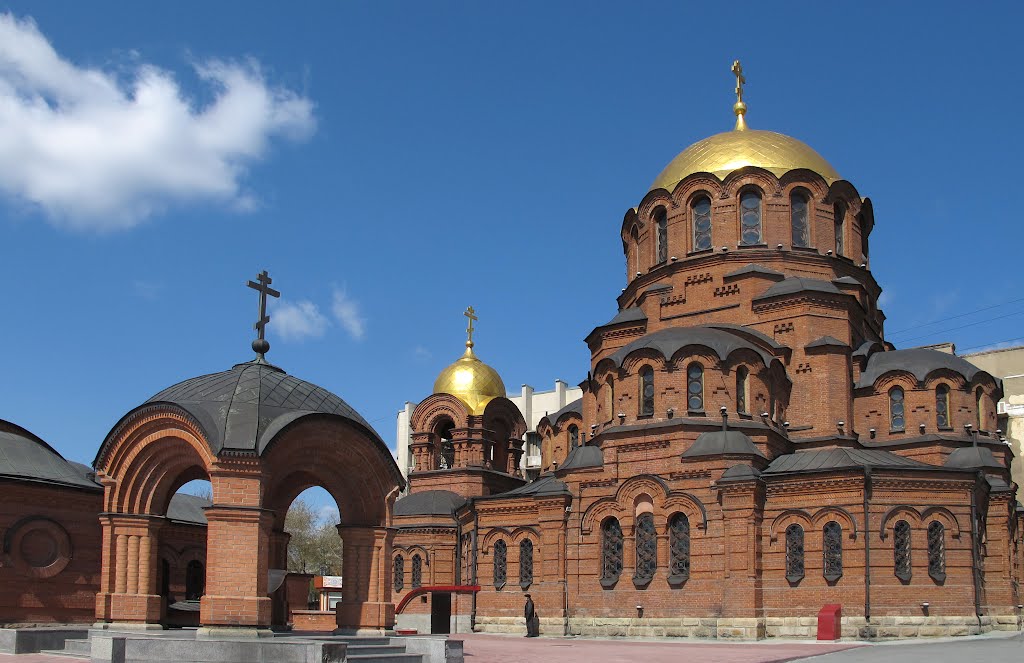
{"x": 742, "y": 511}
{"x": 237, "y": 556}
{"x": 515, "y": 454}
{"x": 127, "y": 593}
{"x": 366, "y": 594}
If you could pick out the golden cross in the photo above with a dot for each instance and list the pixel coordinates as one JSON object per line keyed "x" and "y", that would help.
{"x": 470, "y": 313}
{"x": 737, "y": 69}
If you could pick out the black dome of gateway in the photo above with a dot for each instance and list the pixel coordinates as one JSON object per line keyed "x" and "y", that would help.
{"x": 242, "y": 409}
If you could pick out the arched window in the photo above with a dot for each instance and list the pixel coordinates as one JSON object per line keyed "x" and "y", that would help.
{"x": 679, "y": 548}
{"x": 897, "y": 420}
{"x": 525, "y": 563}
{"x": 661, "y": 223}
{"x": 832, "y": 545}
{"x": 609, "y": 395}
{"x": 646, "y": 540}
{"x": 794, "y": 553}
{"x": 700, "y": 209}
{"x": 195, "y": 580}
{"x": 942, "y": 406}
{"x": 741, "y": 388}
{"x": 646, "y": 391}
{"x": 839, "y": 211}
{"x": 500, "y": 563}
{"x": 634, "y": 250}
{"x": 445, "y": 448}
{"x": 937, "y": 551}
{"x": 979, "y": 403}
{"x": 750, "y": 217}
{"x": 901, "y": 550}
{"x": 417, "y": 571}
{"x": 799, "y": 216}
{"x": 611, "y": 551}
{"x": 695, "y": 387}
{"x": 399, "y": 573}
{"x": 574, "y": 436}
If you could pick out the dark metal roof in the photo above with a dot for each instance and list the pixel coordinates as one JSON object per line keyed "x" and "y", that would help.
{"x": 824, "y": 342}
{"x": 188, "y": 508}
{"x": 720, "y": 442}
{"x": 547, "y": 484}
{"x": 754, "y": 269}
{"x": 631, "y": 314}
{"x": 658, "y": 287}
{"x": 24, "y": 456}
{"x": 429, "y": 503}
{"x": 835, "y": 459}
{"x": 847, "y": 280}
{"x": 795, "y": 284}
{"x": 867, "y": 348}
{"x": 973, "y": 458}
{"x": 749, "y": 331}
{"x": 669, "y": 341}
{"x": 741, "y": 472}
{"x": 243, "y": 408}
{"x": 576, "y": 407}
{"x": 585, "y": 456}
{"x": 919, "y": 362}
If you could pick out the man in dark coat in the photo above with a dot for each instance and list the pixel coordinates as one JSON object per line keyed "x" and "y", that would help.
{"x": 532, "y": 620}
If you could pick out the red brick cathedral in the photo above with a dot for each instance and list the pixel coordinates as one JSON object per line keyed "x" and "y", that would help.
{"x": 748, "y": 447}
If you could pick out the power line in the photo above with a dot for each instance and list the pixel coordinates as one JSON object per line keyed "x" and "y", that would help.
{"x": 954, "y": 317}
{"x": 986, "y": 345}
{"x": 969, "y": 324}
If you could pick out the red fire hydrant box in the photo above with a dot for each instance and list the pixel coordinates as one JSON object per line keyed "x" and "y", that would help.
{"x": 829, "y": 619}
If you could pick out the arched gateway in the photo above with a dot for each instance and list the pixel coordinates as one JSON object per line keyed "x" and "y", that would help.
{"x": 261, "y": 437}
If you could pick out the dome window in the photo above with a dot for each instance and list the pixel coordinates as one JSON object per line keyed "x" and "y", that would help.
{"x": 646, "y": 391}
{"x": 695, "y": 387}
{"x": 798, "y": 206}
{"x": 839, "y": 210}
{"x": 701, "y": 211}
{"x": 942, "y": 407}
{"x": 741, "y": 389}
{"x": 750, "y": 218}
{"x": 661, "y": 223}
{"x": 897, "y": 418}
{"x": 979, "y": 403}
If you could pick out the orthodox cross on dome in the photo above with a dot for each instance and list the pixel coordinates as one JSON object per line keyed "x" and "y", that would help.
{"x": 739, "y": 107}
{"x": 471, "y": 314}
{"x": 260, "y": 345}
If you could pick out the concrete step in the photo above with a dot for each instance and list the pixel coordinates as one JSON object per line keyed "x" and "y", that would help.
{"x": 385, "y": 658}
{"x": 360, "y": 650}
{"x": 358, "y": 640}
{"x": 71, "y": 656}
{"x": 78, "y": 646}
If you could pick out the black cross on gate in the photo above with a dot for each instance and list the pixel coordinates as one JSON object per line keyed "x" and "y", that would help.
{"x": 263, "y": 287}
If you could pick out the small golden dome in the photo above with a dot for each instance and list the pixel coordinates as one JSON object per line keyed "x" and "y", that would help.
{"x": 723, "y": 153}
{"x": 471, "y": 381}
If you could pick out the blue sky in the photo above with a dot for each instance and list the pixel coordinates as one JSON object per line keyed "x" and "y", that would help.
{"x": 392, "y": 163}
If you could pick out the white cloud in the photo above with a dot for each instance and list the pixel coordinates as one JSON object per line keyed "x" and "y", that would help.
{"x": 346, "y": 311}
{"x": 328, "y": 514}
{"x": 104, "y": 150}
{"x": 298, "y": 321}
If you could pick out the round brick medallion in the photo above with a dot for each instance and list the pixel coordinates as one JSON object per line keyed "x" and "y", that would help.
{"x": 40, "y": 548}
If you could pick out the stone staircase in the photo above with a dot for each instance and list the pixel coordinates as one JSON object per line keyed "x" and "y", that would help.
{"x": 76, "y": 649}
{"x": 377, "y": 650}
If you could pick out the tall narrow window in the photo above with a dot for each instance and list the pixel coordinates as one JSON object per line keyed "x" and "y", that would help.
{"x": 646, "y": 539}
{"x": 832, "y": 544}
{"x": 863, "y": 236}
{"x": 399, "y": 573}
{"x": 611, "y": 552}
{"x": 897, "y": 418}
{"x": 417, "y": 570}
{"x": 646, "y": 391}
{"x": 574, "y": 436}
{"x": 446, "y": 450}
{"x": 525, "y": 563}
{"x": 634, "y": 248}
{"x": 839, "y": 210}
{"x": 794, "y": 553}
{"x": 195, "y": 581}
{"x": 741, "y": 388}
{"x": 942, "y": 406}
{"x": 750, "y": 218}
{"x": 979, "y": 403}
{"x": 695, "y": 387}
{"x": 679, "y": 548}
{"x": 500, "y": 563}
{"x": 937, "y": 551}
{"x": 799, "y": 215}
{"x": 701, "y": 211}
{"x": 661, "y": 223}
{"x": 901, "y": 550}
{"x": 610, "y": 398}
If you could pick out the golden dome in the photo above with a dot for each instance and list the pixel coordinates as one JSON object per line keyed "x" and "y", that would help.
{"x": 471, "y": 381}
{"x": 726, "y": 152}
{"x": 723, "y": 153}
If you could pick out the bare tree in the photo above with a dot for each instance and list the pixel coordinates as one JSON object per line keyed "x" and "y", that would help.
{"x": 315, "y": 546}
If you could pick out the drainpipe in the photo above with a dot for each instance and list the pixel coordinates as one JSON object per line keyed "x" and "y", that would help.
{"x": 476, "y": 531}
{"x": 867, "y": 544}
{"x": 975, "y": 553}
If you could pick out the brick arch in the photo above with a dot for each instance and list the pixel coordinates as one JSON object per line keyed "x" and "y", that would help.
{"x": 492, "y": 536}
{"x": 838, "y": 514}
{"x": 944, "y": 516}
{"x": 652, "y": 201}
{"x": 804, "y": 178}
{"x": 504, "y": 409}
{"x": 598, "y": 511}
{"x": 945, "y": 376}
{"x": 435, "y": 407}
{"x": 842, "y": 190}
{"x": 687, "y": 504}
{"x": 787, "y": 518}
{"x": 526, "y": 532}
{"x": 637, "y": 359}
{"x": 649, "y": 484}
{"x": 695, "y": 185}
{"x": 749, "y": 176}
{"x": 897, "y": 513}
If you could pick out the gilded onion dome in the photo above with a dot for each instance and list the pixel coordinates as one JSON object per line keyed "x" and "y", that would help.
{"x": 470, "y": 380}
{"x": 726, "y": 152}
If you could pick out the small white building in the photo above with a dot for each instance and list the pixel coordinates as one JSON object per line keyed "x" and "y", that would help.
{"x": 532, "y": 403}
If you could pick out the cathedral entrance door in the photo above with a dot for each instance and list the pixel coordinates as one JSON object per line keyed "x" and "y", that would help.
{"x": 440, "y": 612}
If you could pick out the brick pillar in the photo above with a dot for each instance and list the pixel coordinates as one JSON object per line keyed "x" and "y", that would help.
{"x": 1000, "y": 597}
{"x": 237, "y": 556}
{"x": 366, "y": 593}
{"x": 515, "y": 455}
{"x": 127, "y": 593}
{"x": 742, "y": 511}
{"x": 423, "y": 452}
